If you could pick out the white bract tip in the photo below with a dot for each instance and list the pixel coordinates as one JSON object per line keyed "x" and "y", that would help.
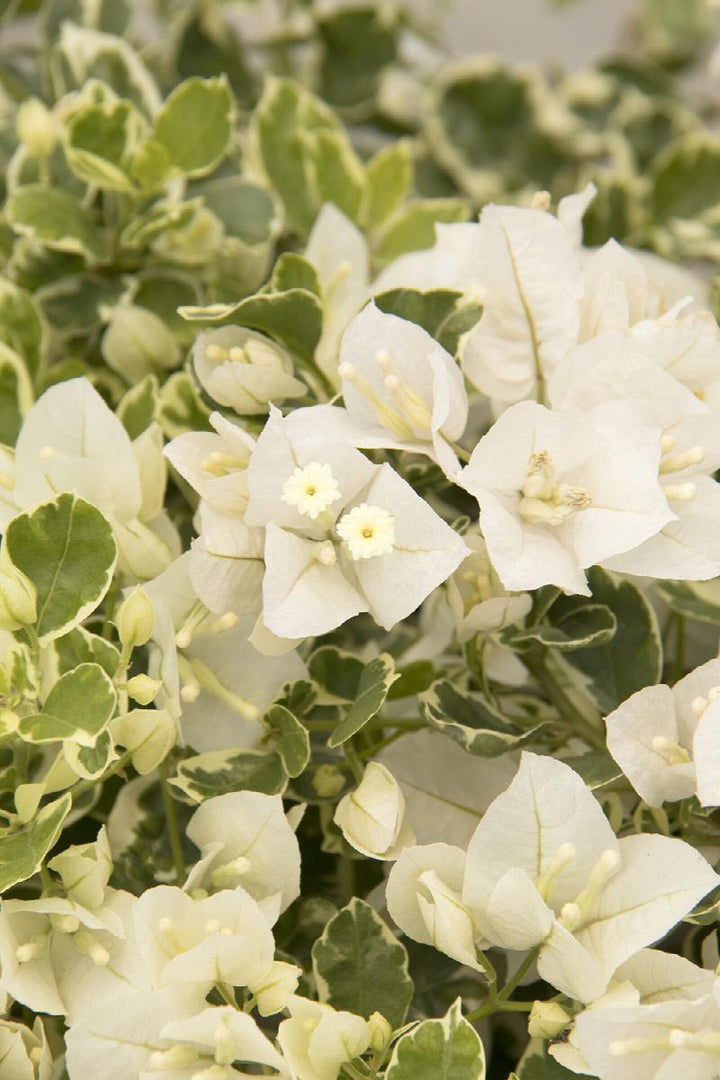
{"x": 368, "y": 531}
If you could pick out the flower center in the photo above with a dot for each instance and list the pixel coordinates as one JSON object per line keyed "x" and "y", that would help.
{"x": 367, "y": 531}
{"x": 311, "y": 489}
{"x": 543, "y": 500}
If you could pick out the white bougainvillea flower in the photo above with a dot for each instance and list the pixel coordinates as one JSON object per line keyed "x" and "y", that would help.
{"x": 478, "y": 600}
{"x": 85, "y": 870}
{"x": 245, "y": 839}
{"x": 49, "y": 944}
{"x": 372, "y": 817}
{"x": 244, "y": 370}
{"x": 647, "y": 978}
{"x": 216, "y": 1038}
{"x": 25, "y": 1054}
{"x": 613, "y": 369}
{"x": 214, "y": 680}
{"x": 687, "y": 346}
{"x": 215, "y": 463}
{"x": 666, "y": 740}
{"x": 533, "y": 285}
{"x": 222, "y": 938}
{"x": 338, "y": 251}
{"x": 71, "y": 441}
{"x": 665, "y": 1041}
{"x": 424, "y": 898}
{"x": 117, "y": 1042}
{"x": 559, "y": 493}
{"x": 377, "y": 546}
{"x": 545, "y": 869}
{"x": 401, "y": 388}
{"x": 317, "y": 1039}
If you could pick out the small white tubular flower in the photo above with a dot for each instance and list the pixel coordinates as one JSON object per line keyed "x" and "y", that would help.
{"x": 423, "y": 896}
{"x": 372, "y": 818}
{"x": 368, "y": 531}
{"x": 317, "y": 1039}
{"x": 215, "y": 464}
{"x": 292, "y": 443}
{"x": 531, "y": 311}
{"x": 652, "y": 1042}
{"x": 223, "y": 938}
{"x": 220, "y": 1036}
{"x": 477, "y": 599}
{"x": 666, "y": 740}
{"x": 401, "y": 388}
{"x": 244, "y": 370}
{"x": 245, "y": 839}
{"x": 338, "y": 251}
{"x": 560, "y": 493}
{"x": 545, "y": 868}
{"x": 312, "y": 489}
{"x": 379, "y": 547}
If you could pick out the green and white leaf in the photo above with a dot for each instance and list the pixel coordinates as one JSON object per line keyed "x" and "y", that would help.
{"x": 80, "y": 704}
{"x": 22, "y": 852}
{"x": 447, "y": 1049}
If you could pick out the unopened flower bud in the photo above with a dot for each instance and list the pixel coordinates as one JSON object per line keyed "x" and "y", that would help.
{"x": 135, "y": 619}
{"x": 547, "y": 1019}
{"x": 137, "y": 343}
{"x": 272, "y": 993}
{"x": 143, "y": 689}
{"x": 328, "y": 781}
{"x": 36, "y": 128}
{"x": 17, "y": 596}
{"x": 371, "y": 818}
{"x": 380, "y": 1032}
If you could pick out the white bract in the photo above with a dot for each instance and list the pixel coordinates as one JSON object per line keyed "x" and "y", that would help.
{"x": 72, "y": 441}
{"x": 559, "y": 493}
{"x": 318, "y": 1039}
{"x": 342, "y": 535}
{"x": 401, "y": 388}
{"x": 244, "y": 370}
{"x": 372, "y": 817}
{"x": 667, "y": 739}
{"x": 478, "y": 601}
{"x": 245, "y": 839}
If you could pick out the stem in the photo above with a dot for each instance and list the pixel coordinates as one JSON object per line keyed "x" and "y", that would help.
{"x": 87, "y": 785}
{"x": 173, "y": 828}
{"x": 353, "y": 760}
{"x": 491, "y": 975}
{"x": 679, "y": 665}
{"x": 527, "y": 963}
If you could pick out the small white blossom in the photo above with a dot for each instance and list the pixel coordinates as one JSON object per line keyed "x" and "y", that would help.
{"x": 368, "y": 531}
{"x": 312, "y": 489}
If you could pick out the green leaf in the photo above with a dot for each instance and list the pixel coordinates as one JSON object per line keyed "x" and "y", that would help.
{"x": 16, "y": 394}
{"x": 283, "y": 129}
{"x": 413, "y": 227}
{"x": 138, "y": 406}
{"x": 360, "y": 966}
{"x": 413, "y": 678}
{"x": 82, "y": 647}
{"x": 219, "y": 771}
{"x": 247, "y": 210}
{"x": 373, "y": 686}
{"x": 357, "y": 44}
{"x": 633, "y": 659}
{"x": 161, "y": 217}
{"x": 696, "y": 599}
{"x": 340, "y": 177}
{"x": 575, "y": 625}
{"x": 291, "y": 271}
{"x": 78, "y": 707}
{"x": 100, "y": 142}
{"x": 447, "y": 1049}
{"x": 686, "y": 178}
{"x": 441, "y": 312}
{"x": 294, "y": 318}
{"x": 21, "y": 325}
{"x": 72, "y": 304}
{"x": 469, "y": 720}
{"x": 338, "y": 673}
{"x": 293, "y": 741}
{"x": 22, "y": 852}
{"x": 544, "y": 1067}
{"x": 195, "y": 124}
{"x": 596, "y": 767}
{"x": 389, "y": 176}
{"x": 55, "y": 219}
{"x": 67, "y": 549}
